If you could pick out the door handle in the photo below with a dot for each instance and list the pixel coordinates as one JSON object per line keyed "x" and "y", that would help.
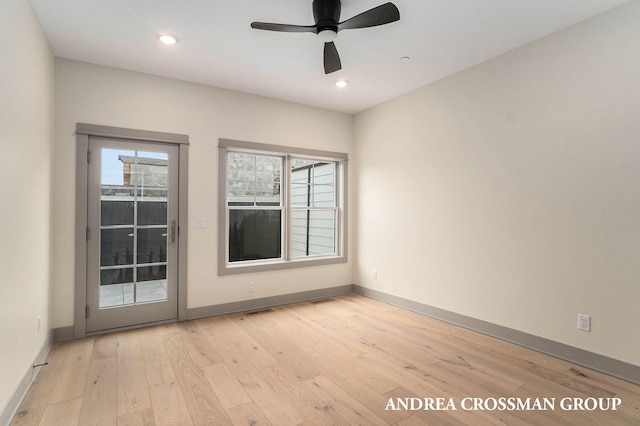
{"x": 173, "y": 231}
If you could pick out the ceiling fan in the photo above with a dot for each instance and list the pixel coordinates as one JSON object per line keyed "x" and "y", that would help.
{"x": 327, "y": 16}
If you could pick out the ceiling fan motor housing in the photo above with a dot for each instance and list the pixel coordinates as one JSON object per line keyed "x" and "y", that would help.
{"x": 327, "y": 15}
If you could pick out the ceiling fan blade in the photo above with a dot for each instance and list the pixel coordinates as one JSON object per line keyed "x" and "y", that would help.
{"x": 383, "y": 14}
{"x": 331, "y": 58}
{"x": 284, "y": 27}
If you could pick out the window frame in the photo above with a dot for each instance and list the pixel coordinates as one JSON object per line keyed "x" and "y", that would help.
{"x": 287, "y": 260}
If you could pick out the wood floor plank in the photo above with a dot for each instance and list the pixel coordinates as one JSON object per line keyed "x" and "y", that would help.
{"x": 384, "y": 339}
{"x": 557, "y": 392}
{"x": 347, "y": 407}
{"x": 418, "y": 381}
{"x": 322, "y": 346}
{"x": 169, "y": 328}
{"x": 198, "y": 344}
{"x": 300, "y": 311}
{"x": 369, "y": 386}
{"x": 337, "y": 332}
{"x": 275, "y": 408}
{"x": 204, "y": 406}
{"x": 334, "y": 361}
{"x": 602, "y": 380}
{"x": 63, "y": 413}
{"x": 461, "y": 358}
{"x": 57, "y": 356}
{"x": 226, "y": 386}
{"x": 167, "y": 401}
{"x": 73, "y": 374}
{"x": 133, "y": 390}
{"x": 538, "y": 365}
{"x": 139, "y": 418}
{"x": 285, "y": 350}
{"x": 246, "y": 344}
{"x": 509, "y": 353}
{"x": 105, "y": 346}
{"x": 341, "y": 328}
{"x": 346, "y": 306}
{"x": 100, "y": 396}
{"x": 153, "y": 351}
{"x": 248, "y": 414}
{"x": 412, "y": 377}
{"x": 627, "y": 392}
{"x": 305, "y": 401}
{"x": 412, "y": 420}
{"x": 481, "y": 370}
{"x": 409, "y": 320}
{"x": 35, "y": 402}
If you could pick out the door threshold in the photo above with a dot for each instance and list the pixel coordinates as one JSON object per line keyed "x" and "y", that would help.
{"x": 130, "y": 327}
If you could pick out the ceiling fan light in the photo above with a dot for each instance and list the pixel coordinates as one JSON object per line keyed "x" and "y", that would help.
{"x": 327, "y": 35}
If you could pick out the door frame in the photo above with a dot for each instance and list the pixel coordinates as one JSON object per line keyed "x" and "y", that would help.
{"x": 85, "y": 131}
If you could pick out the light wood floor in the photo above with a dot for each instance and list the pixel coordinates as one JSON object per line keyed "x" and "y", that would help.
{"x": 338, "y": 361}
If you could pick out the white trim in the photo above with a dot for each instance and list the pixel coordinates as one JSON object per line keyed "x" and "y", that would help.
{"x": 13, "y": 403}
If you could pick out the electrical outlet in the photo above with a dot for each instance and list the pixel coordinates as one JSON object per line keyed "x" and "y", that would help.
{"x": 252, "y": 286}
{"x": 584, "y": 322}
{"x": 39, "y": 323}
{"x": 374, "y": 274}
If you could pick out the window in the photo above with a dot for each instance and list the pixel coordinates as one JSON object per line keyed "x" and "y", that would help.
{"x": 279, "y": 208}
{"x": 254, "y": 206}
{"x": 313, "y": 207}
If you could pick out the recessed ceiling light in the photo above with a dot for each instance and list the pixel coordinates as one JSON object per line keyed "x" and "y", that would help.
{"x": 167, "y": 38}
{"x": 342, "y": 83}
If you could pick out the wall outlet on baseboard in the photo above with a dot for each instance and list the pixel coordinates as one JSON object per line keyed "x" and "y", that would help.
{"x": 584, "y": 322}
{"x": 251, "y": 287}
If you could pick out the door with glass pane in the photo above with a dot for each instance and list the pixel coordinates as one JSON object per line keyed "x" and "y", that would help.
{"x": 132, "y": 234}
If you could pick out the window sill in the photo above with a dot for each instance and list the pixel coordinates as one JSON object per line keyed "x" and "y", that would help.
{"x": 264, "y": 266}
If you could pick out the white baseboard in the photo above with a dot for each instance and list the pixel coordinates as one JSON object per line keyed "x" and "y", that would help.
{"x": 11, "y": 407}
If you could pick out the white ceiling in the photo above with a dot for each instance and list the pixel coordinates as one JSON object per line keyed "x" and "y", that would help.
{"x": 218, "y": 48}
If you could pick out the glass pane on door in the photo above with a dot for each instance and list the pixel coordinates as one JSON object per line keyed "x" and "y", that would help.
{"x": 133, "y": 227}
